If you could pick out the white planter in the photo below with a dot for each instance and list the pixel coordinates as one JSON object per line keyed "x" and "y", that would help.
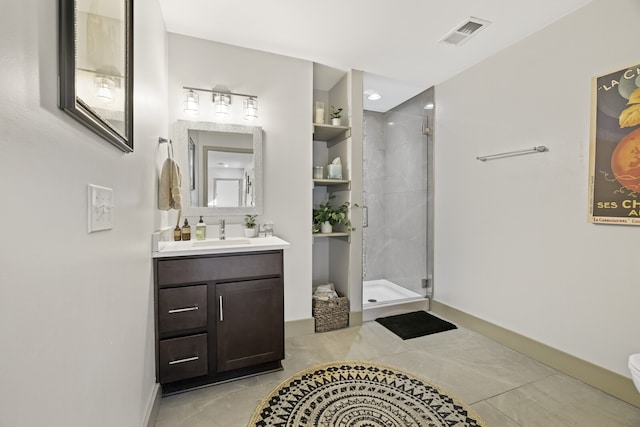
{"x": 336, "y": 122}
{"x": 250, "y": 232}
{"x": 326, "y": 227}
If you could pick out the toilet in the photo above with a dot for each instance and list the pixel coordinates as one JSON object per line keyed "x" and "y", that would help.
{"x": 634, "y": 366}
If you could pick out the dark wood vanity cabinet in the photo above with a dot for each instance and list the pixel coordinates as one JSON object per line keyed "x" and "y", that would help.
{"x": 218, "y": 317}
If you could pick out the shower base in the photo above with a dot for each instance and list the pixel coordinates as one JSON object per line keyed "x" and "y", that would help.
{"x": 382, "y": 298}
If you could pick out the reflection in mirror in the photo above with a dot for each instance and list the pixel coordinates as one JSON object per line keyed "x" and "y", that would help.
{"x": 96, "y": 66}
{"x": 227, "y": 158}
{"x": 227, "y": 193}
{"x": 101, "y": 59}
{"x": 224, "y": 164}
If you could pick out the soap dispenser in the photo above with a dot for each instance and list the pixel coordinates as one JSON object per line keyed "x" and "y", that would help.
{"x": 186, "y": 230}
{"x": 201, "y": 230}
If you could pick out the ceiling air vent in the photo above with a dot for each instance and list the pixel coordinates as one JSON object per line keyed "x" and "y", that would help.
{"x": 464, "y": 31}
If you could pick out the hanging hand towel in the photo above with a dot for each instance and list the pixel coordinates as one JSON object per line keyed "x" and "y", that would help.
{"x": 169, "y": 195}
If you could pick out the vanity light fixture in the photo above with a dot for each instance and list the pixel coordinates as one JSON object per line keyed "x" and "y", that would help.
{"x": 222, "y": 99}
{"x": 191, "y": 102}
{"x": 221, "y": 104}
{"x": 104, "y": 89}
{"x": 250, "y": 108}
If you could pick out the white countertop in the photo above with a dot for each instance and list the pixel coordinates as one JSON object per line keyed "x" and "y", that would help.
{"x": 217, "y": 246}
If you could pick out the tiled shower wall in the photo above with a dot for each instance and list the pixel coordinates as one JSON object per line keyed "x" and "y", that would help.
{"x": 395, "y": 193}
{"x": 373, "y": 195}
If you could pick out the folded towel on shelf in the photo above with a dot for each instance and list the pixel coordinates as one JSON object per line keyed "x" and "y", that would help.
{"x": 169, "y": 192}
{"x": 325, "y": 292}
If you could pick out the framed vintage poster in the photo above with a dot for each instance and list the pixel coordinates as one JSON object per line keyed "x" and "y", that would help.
{"x": 614, "y": 194}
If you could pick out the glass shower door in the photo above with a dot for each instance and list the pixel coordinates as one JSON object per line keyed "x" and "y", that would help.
{"x": 397, "y": 195}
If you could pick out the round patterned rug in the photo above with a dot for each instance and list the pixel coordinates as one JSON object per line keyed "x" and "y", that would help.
{"x": 360, "y": 394}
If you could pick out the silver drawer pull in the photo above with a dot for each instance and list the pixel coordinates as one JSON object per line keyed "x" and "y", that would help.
{"x": 221, "y": 315}
{"x": 188, "y": 359}
{"x": 182, "y": 310}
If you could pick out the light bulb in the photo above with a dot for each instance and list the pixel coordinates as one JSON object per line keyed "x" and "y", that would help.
{"x": 221, "y": 105}
{"x": 104, "y": 89}
{"x": 191, "y": 102}
{"x": 250, "y": 108}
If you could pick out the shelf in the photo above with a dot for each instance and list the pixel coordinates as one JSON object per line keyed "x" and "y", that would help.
{"x": 335, "y": 234}
{"x": 331, "y": 134}
{"x": 335, "y": 184}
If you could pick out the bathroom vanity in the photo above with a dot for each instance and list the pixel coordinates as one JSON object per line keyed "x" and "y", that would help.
{"x": 219, "y": 311}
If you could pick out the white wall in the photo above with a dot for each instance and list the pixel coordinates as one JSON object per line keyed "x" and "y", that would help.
{"x": 77, "y": 315}
{"x": 284, "y": 87}
{"x": 512, "y": 241}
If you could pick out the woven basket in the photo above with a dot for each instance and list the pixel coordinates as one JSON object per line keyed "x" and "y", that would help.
{"x": 332, "y": 314}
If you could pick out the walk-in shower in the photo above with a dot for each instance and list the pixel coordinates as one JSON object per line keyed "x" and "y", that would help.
{"x": 397, "y": 195}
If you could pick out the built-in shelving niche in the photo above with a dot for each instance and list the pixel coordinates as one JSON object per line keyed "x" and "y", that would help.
{"x": 337, "y": 257}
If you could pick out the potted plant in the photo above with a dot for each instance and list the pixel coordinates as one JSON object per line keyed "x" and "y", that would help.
{"x": 335, "y": 115}
{"x": 250, "y": 229}
{"x": 326, "y": 216}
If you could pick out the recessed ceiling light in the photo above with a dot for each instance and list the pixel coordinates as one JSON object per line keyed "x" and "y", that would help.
{"x": 429, "y": 106}
{"x": 372, "y": 95}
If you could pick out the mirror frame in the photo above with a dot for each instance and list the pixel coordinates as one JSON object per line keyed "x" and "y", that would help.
{"x": 67, "y": 97}
{"x": 181, "y": 137}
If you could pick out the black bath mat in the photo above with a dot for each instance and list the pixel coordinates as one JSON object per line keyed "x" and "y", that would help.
{"x": 415, "y": 324}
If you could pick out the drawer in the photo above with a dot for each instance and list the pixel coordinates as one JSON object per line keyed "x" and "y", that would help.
{"x": 219, "y": 268}
{"x": 182, "y": 308}
{"x": 182, "y": 358}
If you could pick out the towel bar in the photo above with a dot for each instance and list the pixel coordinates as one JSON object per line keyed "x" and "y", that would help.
{"x": 538, "y": 149}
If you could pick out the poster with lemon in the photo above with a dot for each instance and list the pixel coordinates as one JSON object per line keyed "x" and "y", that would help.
{"x": 615, "y": 148}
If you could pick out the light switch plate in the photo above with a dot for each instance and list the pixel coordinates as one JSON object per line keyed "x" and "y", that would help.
{"x": 100, "y": 208}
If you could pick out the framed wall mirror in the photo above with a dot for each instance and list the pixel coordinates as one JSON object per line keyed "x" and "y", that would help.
{"x": 224, "y": 165}
{"x": 95, "y": 79}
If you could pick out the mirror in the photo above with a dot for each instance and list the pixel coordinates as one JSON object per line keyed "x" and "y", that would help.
{"x": 228, "y": 173}
{"x": 223, "y": 163}
{"x": 96, "y": 66}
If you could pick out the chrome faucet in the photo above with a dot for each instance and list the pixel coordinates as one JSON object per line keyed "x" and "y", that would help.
{"x": 222, "y": 236}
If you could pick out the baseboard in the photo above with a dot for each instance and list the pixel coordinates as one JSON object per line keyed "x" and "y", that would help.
{"x": 355, "y": 318}
{"x": 294, "y": 328}
{"x": 151, "y": 414}
{"x": 610, "y": 382}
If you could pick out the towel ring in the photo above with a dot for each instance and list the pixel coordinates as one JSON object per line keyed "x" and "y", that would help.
{"x": 162, "y": 140}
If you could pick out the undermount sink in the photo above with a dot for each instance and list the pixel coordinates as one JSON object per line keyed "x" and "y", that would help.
{"x": 182, "y": 245}
{"x": 218, "y": 242}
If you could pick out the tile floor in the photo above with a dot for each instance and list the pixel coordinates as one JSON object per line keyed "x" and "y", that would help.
{"x": 506, "y": 388}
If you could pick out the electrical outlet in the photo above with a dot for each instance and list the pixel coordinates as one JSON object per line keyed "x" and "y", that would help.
{"x": 100, "y": 208}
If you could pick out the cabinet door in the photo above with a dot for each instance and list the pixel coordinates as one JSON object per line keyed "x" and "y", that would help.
{"x": 250, "y": 323}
